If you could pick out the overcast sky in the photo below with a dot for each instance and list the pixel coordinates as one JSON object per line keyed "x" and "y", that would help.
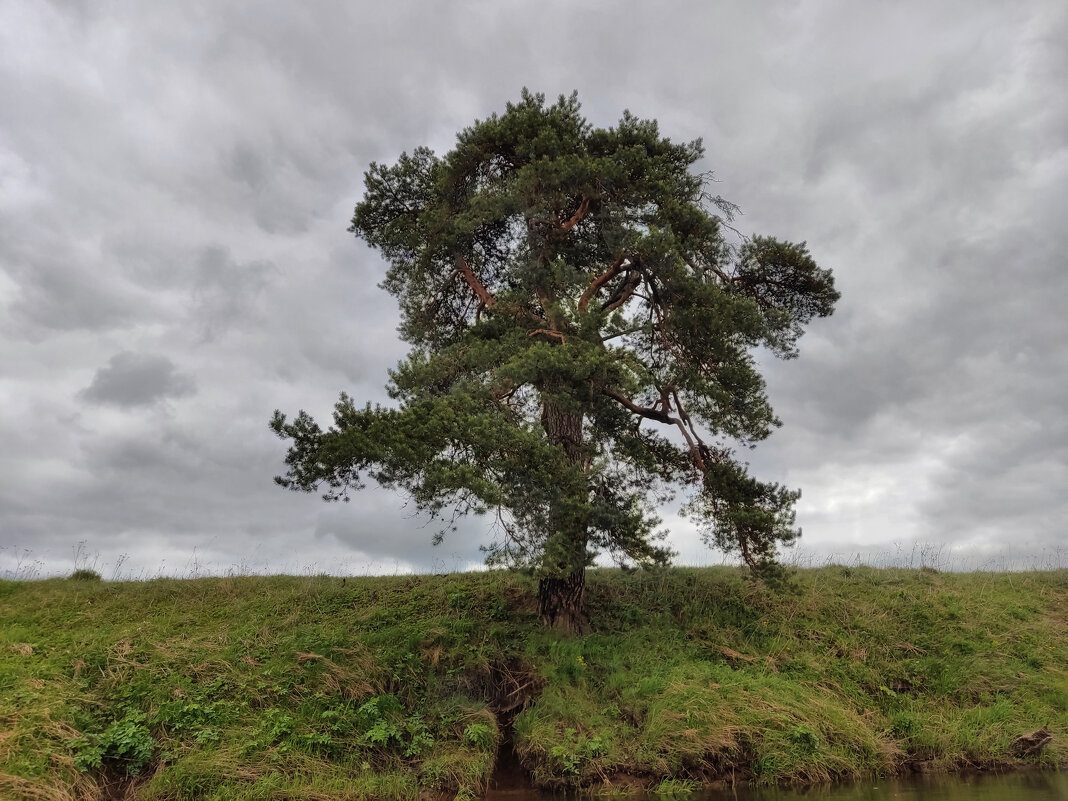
{"x": 176, "y": 180}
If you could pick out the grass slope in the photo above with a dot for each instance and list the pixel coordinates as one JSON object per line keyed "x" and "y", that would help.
{"x": 323, "y": 688}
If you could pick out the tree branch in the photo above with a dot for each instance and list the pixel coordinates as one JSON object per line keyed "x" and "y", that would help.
{"x": 696, "y": 447}
{"x": 623, "y": 333}
{"x": 685, "y": 417}
{"x": 584, "y": 206}
{"x": 747, "y": 555}
{"x": 431, "y": 307}
{"x": 644, "y": 411}
{"x": 485, "y": 297}
{"x": 546, "y": 332}
{"x": 726, "y": 279}
{"x": 678, "y": 405}
{"x": 625, "y": 293}
{"x": 600, "y": 281}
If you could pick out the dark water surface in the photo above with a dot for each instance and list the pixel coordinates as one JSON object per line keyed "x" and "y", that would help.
{"x": 1007, "y": 787}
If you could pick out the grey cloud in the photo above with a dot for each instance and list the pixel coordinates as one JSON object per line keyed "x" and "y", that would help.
{"x": 225, "y": 292}
{"x": 367, "y": 524}
{"x": 179, "y": 180}
{"x": 247, "y": 165}
{"x": 67, "y": 301}
{"x": 61, "y": 287}
{"x": 137, "y": 379}
{"x": 269, "y": 175}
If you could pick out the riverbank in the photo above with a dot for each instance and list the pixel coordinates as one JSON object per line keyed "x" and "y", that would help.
{"x": 327, "y": 688}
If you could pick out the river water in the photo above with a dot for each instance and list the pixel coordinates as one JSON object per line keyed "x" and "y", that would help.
{"x": 1007, "y": 787}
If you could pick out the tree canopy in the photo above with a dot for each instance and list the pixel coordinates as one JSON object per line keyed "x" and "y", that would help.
{"x": 582, "y": 320}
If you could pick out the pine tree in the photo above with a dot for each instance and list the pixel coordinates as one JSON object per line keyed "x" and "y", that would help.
{"x": 582, "y": 319}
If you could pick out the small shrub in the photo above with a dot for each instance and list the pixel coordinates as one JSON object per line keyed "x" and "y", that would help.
{"x": 805, "y": 737}
{"x": 182, "y": 716}
{"x": 206, "y": 736}
{"x": 904, "y": 724}
{"x": 126, "y": 744}
{"x": 84, "y": 574}
{"x": 480, "y": 736}
{"x": 276, "y": 725}
{"x": 458, "y": 600}
{"x": 419, "y": 737}
{"x": 575, "y": 751}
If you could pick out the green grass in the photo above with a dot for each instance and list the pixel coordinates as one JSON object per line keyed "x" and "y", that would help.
{"x": 321, "y": 688}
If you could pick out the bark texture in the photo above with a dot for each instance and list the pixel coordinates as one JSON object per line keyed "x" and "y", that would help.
{"x": 563, "y": 428}
{"x": 562, "y": 602}
{"x": 561, "y": 599}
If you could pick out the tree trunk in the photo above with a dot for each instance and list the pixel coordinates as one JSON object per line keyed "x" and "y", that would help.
{"x": 563, "y": 428}
{"x": 561, "y": 602}
{"x": 561, "y": 598}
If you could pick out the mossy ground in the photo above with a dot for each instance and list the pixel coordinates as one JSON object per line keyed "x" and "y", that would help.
{"x": 391, "y": 687}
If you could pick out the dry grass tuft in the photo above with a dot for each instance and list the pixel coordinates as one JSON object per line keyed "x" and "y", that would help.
{"x": 350, "y": 681}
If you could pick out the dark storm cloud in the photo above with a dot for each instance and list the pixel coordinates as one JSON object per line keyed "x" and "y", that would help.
{"x": 175, "y": 185}
{"x": 137, "y": 379}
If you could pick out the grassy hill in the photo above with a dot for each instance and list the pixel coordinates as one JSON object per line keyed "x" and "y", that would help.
{"x": 327, "y": 688}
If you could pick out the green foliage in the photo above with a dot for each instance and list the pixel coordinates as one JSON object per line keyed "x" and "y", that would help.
{"x": 675, "y": 788}
{"x": 569, "y": 755}
{"x": 804, "y": 737}
{"x": 275, "y": 726}
{"x": 285, "y": 687}
{"x": 560, "y": 286}
{"x": 385, "y": 727}
{"x": 480, "y": 736}
{"x": 125, "y": 745}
